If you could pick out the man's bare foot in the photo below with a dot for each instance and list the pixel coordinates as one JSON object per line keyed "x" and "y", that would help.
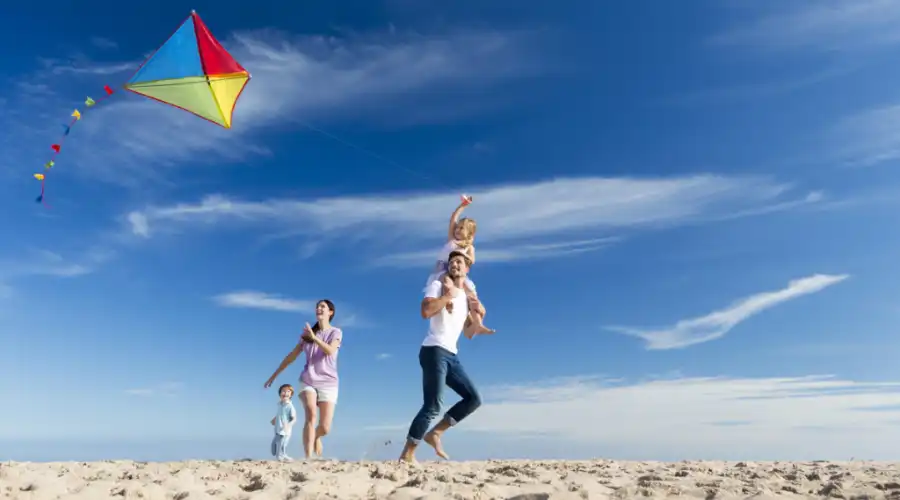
{"x": 318, "y": 446}
{"x": 435, "y": 441}
{"x": 408, "y": 456}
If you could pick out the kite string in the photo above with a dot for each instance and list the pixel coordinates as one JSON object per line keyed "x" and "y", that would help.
{"x": 375, "y": 155}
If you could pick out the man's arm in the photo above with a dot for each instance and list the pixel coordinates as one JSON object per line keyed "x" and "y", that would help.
{"x": 434, "y": 301}
{"x": 432, "y": 306}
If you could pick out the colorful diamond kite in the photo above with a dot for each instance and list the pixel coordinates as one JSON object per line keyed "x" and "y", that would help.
{"x": 193, "y": 72}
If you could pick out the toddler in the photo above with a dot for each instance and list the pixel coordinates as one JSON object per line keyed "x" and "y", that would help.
{"x": 283, "y": 422}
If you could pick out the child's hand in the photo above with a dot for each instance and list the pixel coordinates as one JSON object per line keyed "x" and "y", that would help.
{"x": 466, "y": 200}
{"x": 273, "y": 421}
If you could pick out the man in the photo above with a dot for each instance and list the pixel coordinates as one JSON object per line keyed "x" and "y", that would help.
{"x": 446, "y": 307}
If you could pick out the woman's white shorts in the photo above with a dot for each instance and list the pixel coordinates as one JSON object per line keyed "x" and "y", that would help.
{"x": 327, "y": 394}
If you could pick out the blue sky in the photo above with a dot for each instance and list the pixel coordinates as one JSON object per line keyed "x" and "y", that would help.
{"x": 685, "y": 226}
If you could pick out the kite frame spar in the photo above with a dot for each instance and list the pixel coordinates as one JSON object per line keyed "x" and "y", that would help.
{"x": 214, "y": 68}
{"x": 195, "y": 65}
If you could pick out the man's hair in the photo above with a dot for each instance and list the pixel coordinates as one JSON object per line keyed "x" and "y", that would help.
{"x": 286, "y": 386}
{"x": 461, "y": 254}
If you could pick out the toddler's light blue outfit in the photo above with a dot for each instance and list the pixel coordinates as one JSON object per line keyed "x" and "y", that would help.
{"x": 286, "y": 414}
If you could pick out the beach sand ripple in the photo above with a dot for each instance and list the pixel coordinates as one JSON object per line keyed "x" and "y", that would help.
{"x": 494, "y": 479}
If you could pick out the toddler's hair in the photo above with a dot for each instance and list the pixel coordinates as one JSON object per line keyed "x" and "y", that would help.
{"x": 470, "y": 227}
{"x": 286, "y": 386}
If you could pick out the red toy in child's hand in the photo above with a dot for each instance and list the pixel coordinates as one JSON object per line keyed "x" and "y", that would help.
{"x": 465, "y": 199}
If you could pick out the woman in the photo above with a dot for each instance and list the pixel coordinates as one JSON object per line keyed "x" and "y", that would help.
{"x": 319, "y": 380}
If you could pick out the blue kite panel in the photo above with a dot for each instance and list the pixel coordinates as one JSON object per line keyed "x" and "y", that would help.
{"x": 179, "y": 57}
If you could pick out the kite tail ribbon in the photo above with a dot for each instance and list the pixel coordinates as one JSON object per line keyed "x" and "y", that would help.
{"x": 67, "y": 129}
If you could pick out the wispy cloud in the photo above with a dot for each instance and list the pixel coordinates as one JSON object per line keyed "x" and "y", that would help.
{"x": 252, "y": 299}
{"x": 309, "y": 78}
{"x": 40, "y": 262}
{"x": 822, "y": 26}
{"x": 249, "y": 299}
{"x": 103, "y": 43}
{"x": 508, "y": 253}
{"x": 772, "y": 86}
{"x": 166, "y": 389}
{"x": 565, "y": 216}
{"x": 382, "y": 356}
{"x": 716, "y": 324}
{"x": 781, "y": 417}
{"x": 868, "y": 137}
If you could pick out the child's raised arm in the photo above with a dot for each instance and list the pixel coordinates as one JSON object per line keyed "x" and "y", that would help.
{"x": 454, "y": 218}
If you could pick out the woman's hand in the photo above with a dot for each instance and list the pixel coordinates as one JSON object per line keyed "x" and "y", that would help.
{"x": 269, "y": 382}
{"x": 308, "y": 334}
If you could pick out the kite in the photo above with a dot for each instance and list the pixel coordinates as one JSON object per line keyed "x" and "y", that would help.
{"x": 190, "y": 71}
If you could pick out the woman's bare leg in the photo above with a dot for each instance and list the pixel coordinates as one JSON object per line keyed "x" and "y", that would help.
{"x": 326, "y": 413}
{"x": 308, "y": 398}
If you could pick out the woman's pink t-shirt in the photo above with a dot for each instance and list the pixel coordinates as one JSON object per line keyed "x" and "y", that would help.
{"x": 321, "y": 369}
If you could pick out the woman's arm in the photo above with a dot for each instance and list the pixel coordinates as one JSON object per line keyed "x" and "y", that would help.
{"x": 328, "y": 348}
{"x": 454, "y": 218}
{"x": 290, "y": 358}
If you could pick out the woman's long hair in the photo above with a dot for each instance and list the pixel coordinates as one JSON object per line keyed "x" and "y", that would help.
{"x": 330, "y": 305}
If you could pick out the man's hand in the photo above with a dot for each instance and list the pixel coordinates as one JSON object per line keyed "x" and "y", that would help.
{"x": 450, "y": 290}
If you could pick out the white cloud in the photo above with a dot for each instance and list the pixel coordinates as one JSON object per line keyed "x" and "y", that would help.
{"x": 47, "y": 263}
{"x": 249, "y": 299}
{"x": 716, "y": 324}
{"x": 507, "y": 253}
{"x": 103, "y": 43}
{"x": 390, "y": 78}
{"x": 166, "y": 389}
{"x": 351, "y": 320}
{"x": 746, "y": 418}
{"x": 556, "y": 212}
{"x": 139, "y": 224}
{"x": 869, "y": 137}
{"x": 345, "y": 317}
{"x": 822, "y": 26}
{"x": 382, "y": 356}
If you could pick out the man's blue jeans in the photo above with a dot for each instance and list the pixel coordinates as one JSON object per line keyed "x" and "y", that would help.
{"x": 440, "y": 366}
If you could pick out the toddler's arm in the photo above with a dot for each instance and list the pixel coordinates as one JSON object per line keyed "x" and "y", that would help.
{"x": 454, "y": 218}
{"x": 273, "y": 420}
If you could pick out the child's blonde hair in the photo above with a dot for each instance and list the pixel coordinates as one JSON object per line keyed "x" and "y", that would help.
{"x": 469, "y": 227}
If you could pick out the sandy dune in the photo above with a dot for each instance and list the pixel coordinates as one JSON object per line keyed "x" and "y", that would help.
{"x": 522, "y": 480}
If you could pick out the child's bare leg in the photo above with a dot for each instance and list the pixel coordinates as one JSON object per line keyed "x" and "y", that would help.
{"x": 475, "y": 322}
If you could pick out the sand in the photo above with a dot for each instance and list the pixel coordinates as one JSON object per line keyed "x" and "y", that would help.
{"x": 522, "y": 480}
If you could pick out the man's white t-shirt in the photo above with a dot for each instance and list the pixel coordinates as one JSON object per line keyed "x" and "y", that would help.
{"x": 445, "y": 327}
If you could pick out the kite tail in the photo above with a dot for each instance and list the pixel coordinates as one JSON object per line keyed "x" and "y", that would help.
{"x": 67, "y": 129}
{"x": 40, "y": 199}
